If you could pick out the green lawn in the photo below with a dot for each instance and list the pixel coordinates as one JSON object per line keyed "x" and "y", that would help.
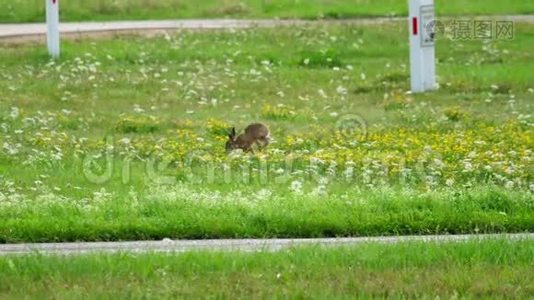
{"x": 124, "y": 138}
{"x": 467, "y": 270}
{"x": 194, "y": 213}
{"x": 33, "y": 10}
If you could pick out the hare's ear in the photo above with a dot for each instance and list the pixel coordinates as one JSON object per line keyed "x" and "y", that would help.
{"x": 232, "y": 133}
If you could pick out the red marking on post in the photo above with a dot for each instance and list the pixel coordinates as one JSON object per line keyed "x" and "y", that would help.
{"x": 414, "y": 25}
{"x": 54, "y": 1}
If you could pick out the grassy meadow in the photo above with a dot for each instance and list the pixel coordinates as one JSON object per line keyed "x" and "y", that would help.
{"x": 33, "y": 10}
{"x": 124, "y": 138}
{"x": 466, "y": 270}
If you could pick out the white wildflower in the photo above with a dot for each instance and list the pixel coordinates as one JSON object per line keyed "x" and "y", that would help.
{"x": 341, "y": 90}
{"x": 296, "y": 186}
{"x": 279, "y": 171}
{"x": 125, "y": 141}
{"x": 468, "y": 166}
{"x": 138, "y": 109}
{"x": 263, "y": 194}
{"x": 14, "y": 113}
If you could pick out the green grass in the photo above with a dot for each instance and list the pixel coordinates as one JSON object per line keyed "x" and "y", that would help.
{"x": 194, "y": 213}
{"x": 33, "y": 10}
{"x": 467, "y": 270}
{"x": 455, "y": 160}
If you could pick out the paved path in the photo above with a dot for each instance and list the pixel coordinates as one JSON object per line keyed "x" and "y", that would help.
{"x": 37, "y": 31}
{"x": 235, "y": 244}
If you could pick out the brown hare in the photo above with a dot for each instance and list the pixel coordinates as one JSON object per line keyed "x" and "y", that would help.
{"x": 255, "y": 133}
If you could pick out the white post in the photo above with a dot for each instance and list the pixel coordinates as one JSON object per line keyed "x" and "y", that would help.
{"x": 422, "y": 51}
{"x": 52, "y": 21}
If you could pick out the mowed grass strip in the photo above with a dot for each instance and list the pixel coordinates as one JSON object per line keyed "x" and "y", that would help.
{"x": 193, "y": 213}
{"x": 474, "y": 269}
{"x": 33, "y": 10}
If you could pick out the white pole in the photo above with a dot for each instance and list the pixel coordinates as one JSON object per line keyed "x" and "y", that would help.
{"x": 422, "y": 50}
{"x": 52, "y": 21}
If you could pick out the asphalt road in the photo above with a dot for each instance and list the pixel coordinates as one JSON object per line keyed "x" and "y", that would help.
{"x": 28, "y": 30}
{"x": 37, "y": 31}
{"x": 247, "y": 245}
